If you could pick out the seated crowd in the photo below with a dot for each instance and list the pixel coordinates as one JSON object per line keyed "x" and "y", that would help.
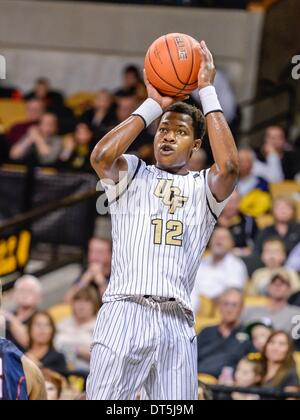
{"x": 247, "y": 293}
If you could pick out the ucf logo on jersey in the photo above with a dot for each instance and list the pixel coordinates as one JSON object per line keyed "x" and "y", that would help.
{"x": 170, "y": 195}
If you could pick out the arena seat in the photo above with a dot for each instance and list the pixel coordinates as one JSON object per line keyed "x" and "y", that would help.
{"x": 60, "y": 312}
{"x": 11, "y": 112}
{"x": 297, "y": 360}
{"x": 203, "y": 322}
{"x": 207, "y": 379}
{"x": 79, "y": 101}
{"x": 256, "y": 301}
{"x": 285, "y": 188}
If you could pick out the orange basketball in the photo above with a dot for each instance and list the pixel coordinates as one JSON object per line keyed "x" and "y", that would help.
{"x": 172, "y": 64}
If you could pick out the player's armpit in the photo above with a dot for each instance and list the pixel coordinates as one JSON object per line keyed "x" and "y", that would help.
{"x": 35, "y": 381}
{"x": 221, "y": 184}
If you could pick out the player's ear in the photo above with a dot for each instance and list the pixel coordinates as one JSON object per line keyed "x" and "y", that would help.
{"x": 197, "y": 145}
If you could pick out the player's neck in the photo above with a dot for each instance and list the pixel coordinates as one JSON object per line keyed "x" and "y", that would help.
{"x": 176, "y": 171}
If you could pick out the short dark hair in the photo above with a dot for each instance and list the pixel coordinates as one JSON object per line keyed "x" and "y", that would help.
{"x": 197, "y": 116}
{"x": 131, "y": 68}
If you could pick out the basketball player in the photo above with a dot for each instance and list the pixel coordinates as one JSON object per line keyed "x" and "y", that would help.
{"x": 162, "y": 219}
{"x": 20, "y": 378}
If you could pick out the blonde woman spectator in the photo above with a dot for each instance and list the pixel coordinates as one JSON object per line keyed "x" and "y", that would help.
{"x": 74, "y": 335}
{"x": 284, "y": 227}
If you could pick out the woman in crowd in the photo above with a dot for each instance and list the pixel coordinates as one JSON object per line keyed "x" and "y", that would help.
{"x": 74, "y": 337}
{"x": 101, "y": 117}
{"x": 78, "y": 148}
{"x": 41, "y": 349}
{"x": 285, "y": 226}
{"x": 279, "y": 364}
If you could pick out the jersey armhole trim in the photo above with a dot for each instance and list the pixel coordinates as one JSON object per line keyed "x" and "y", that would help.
{"x": 115, "y": 200}
{"x": 207, "y": 201}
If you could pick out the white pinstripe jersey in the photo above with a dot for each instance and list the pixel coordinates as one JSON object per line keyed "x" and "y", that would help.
{"x": 161, "y": 224}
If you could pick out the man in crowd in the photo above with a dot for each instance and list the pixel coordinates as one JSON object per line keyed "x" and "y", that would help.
{"x": 27, "y": 297}
{"x": 223, "y": 346}
{"x": 34, "y": 111}
{"x": 41, "y": 143}
{"x": 278, "y": 311}
{"x": 220, "y": 270}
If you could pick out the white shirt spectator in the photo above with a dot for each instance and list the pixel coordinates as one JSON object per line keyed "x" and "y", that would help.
{"x": 293, "y": 261}
{"x": 214, "y": 278}
{"x": 271, "y": 170}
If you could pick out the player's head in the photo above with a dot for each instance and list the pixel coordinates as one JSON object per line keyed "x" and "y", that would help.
{"x": 180, "y": 133}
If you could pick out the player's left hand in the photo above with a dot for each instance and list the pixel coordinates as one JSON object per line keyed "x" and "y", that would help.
{"x": 207, "y": 73}
{"x": 164, "y": 101}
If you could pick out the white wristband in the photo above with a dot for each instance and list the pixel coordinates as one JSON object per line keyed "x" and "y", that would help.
{"x": 209, "y": 100}
{"x": 149, "y": 111}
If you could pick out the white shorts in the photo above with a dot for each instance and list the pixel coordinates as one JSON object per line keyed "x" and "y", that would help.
{"x": 141, "y": 345}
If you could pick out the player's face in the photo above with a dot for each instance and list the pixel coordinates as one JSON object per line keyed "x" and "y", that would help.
{"x": 174, "y": 142}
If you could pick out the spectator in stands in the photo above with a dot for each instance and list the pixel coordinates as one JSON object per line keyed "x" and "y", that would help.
{"x": 126, "y": 105}
{"x": 274, "y": 258}
{"x": 243, "y": 228}
{"x": 198, "y": 161}
{"x": 278, "y": 311}
{"x": 41, "y": 143}
{"x": 27, "y": 298}
{"x": 98, "y": 268}
{"x": 34, "y": 112}
{"x": 42, "y": 90}
{"x": 220, "y": 270}
{"x": 74, "y": 337}
{"x": 293, "y": 261}
{"x": 279, "y": 364}
{"x": 249, "y": 181}
{"x": 41, "y": 349}
{"x": 270, "y": 167}
{"x": 279, "y": 159}
{"x": 249, "y": 373}
{"x": 259, "y": 333}
{"x": 101, "y": 117}
{"x": 285, "y": 225}
{"x": 132, "y": 79}
{"x": 224, "y": 345}
{"x": 54, "y": 384}
{"x": 54, "y": 104}
{"x": 78, "y": 148}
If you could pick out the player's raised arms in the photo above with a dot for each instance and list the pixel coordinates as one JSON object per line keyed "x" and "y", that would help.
{"x": 107, "y": 159}
{"x": 224, "y": 173}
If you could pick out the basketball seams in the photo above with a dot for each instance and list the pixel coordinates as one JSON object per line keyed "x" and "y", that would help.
{"x": 174, "y": 67}
{"x": 158, "y": 75}
{"x": 167, "y": 84}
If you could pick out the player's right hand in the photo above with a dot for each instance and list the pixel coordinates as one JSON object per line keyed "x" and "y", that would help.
{"x": 164, "y": 101}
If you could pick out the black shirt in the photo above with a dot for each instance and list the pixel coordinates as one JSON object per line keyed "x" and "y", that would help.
{"x": 291, "y": 239}
{"x": 216, "y": 352}
{"x": 55, "y": 361}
